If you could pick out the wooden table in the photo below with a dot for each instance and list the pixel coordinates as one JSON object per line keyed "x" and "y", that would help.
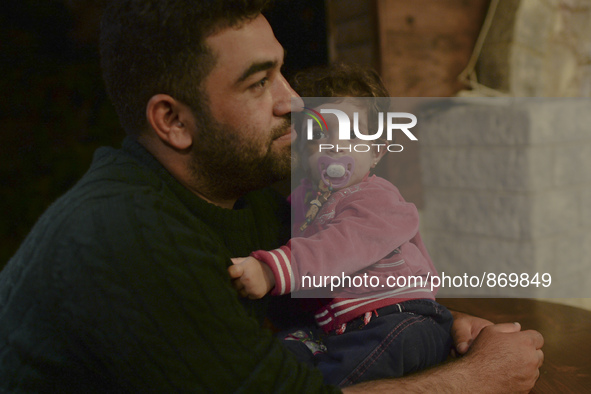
{"x": 566, "y": 331}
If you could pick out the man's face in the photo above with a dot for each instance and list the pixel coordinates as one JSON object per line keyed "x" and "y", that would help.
{"x": 244, "y": 140}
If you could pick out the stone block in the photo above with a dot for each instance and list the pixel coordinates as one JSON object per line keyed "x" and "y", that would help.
{"x": 440, "y": 211}
{"x": 572, "y": 164}
{"x": 553, "y": 212}
{"x": 538, "y": 48}
{"x": 478, "y": 214}
{"x": 534, "y": 22}
{"x": 526, "y": 72}
{"x": 571, "y": 5}
{"x": 541, "y": 168}
{"x": 570, "y": 254}
{"x": 560, "y": 71}
{"x": 549, "y": 256}
{"x": 569, "y": 265}
{"x": 559, "y": 120}
{"x": 437, "y": 167}
{"x": 476, "y": 256}
{"x": 586, "y": 244}
{"x": 577, "y": 30}
{"x": 544, "y": 255}
{"x": 508, "y": 189}
{"x": 586, "y": 212}
{"x": 585, "y": 80}
{"x": 474, "y": 122}
{"x": 497, "y": 169}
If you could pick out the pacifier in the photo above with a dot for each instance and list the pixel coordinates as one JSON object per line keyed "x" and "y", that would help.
{"x": 336, "y": 172}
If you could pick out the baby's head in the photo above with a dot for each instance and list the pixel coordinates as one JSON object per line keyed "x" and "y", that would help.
{"x": 348, "y": 88}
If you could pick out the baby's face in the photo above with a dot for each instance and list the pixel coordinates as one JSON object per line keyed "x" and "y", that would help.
{"x": 339, "y": 165}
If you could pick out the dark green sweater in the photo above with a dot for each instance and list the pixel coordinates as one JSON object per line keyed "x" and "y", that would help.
{"x": 122, "y": 286}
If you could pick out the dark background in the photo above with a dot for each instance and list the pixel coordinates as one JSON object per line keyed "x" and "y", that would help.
{"x": 54, "y": 111}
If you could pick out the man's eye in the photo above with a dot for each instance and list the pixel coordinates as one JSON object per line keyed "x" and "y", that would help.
{"x": 261, "y": 83}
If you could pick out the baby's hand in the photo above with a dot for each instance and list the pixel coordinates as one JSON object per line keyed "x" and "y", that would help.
{"x": 251, "y": 278}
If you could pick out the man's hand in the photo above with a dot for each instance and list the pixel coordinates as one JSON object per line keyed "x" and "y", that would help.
{"x": 502, "y": 359}
{"x": 251, "y": 277}
{"x": 464, "y": 330}
{"x": 505, "y": 358}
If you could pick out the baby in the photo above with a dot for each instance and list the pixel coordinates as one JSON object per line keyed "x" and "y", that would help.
{"x": 350, "y": 223}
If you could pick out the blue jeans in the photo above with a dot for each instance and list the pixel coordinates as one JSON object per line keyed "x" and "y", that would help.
{"x": 404, "y": 338}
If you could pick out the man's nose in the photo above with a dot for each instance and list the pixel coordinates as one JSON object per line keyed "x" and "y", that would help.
{"x": 287, "y": 100}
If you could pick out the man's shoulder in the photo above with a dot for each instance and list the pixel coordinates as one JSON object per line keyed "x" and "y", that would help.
{"x": 113, "y": 181}
{"x": 118, "y": 194}
{"x": 114, "y": 170}
{"x": 117, "y": 217}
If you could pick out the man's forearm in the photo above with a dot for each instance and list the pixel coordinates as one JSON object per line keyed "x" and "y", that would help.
{"x": 448, "y": 378}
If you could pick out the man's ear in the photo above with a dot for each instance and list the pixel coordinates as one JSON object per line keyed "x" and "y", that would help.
{"x": 171, "y": 120}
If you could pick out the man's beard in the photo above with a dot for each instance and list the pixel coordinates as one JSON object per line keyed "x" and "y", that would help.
{"x": 225, "y": 166}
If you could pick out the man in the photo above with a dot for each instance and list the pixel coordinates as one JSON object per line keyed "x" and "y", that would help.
{"x": 122, "y": 285}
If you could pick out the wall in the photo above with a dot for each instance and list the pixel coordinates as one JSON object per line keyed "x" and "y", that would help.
{"x": 419, "y": 47}
{"x": 539, "y": 48}
{"x": 508, "y": 189}
{"x": 511, "y": 183}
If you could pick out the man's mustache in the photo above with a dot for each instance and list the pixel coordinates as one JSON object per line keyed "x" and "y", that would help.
{"x": 282, "y": 129}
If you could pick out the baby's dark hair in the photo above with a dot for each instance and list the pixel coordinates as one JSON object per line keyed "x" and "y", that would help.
{"x": 339, "y": 80}
{"x": 344, "y": 80}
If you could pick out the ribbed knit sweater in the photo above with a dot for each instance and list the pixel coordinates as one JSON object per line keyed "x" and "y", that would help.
{"x": 122, "y": 286}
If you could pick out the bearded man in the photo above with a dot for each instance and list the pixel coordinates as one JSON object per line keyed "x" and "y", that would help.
{"x": 122, "y": 285}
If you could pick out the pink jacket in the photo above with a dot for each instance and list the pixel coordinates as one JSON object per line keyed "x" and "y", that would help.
{"x": 365, "y": 230}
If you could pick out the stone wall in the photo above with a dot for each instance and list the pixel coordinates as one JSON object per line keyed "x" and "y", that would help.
{"x": 507, "y": 187}
{"x": 419, "y": 47}
{"x": 512, "y": 186}
{"x": 512, "y": 189}
{"x": 539, "y": 48}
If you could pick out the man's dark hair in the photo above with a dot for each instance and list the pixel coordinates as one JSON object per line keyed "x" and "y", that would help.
{"x": 158, "y": 46}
